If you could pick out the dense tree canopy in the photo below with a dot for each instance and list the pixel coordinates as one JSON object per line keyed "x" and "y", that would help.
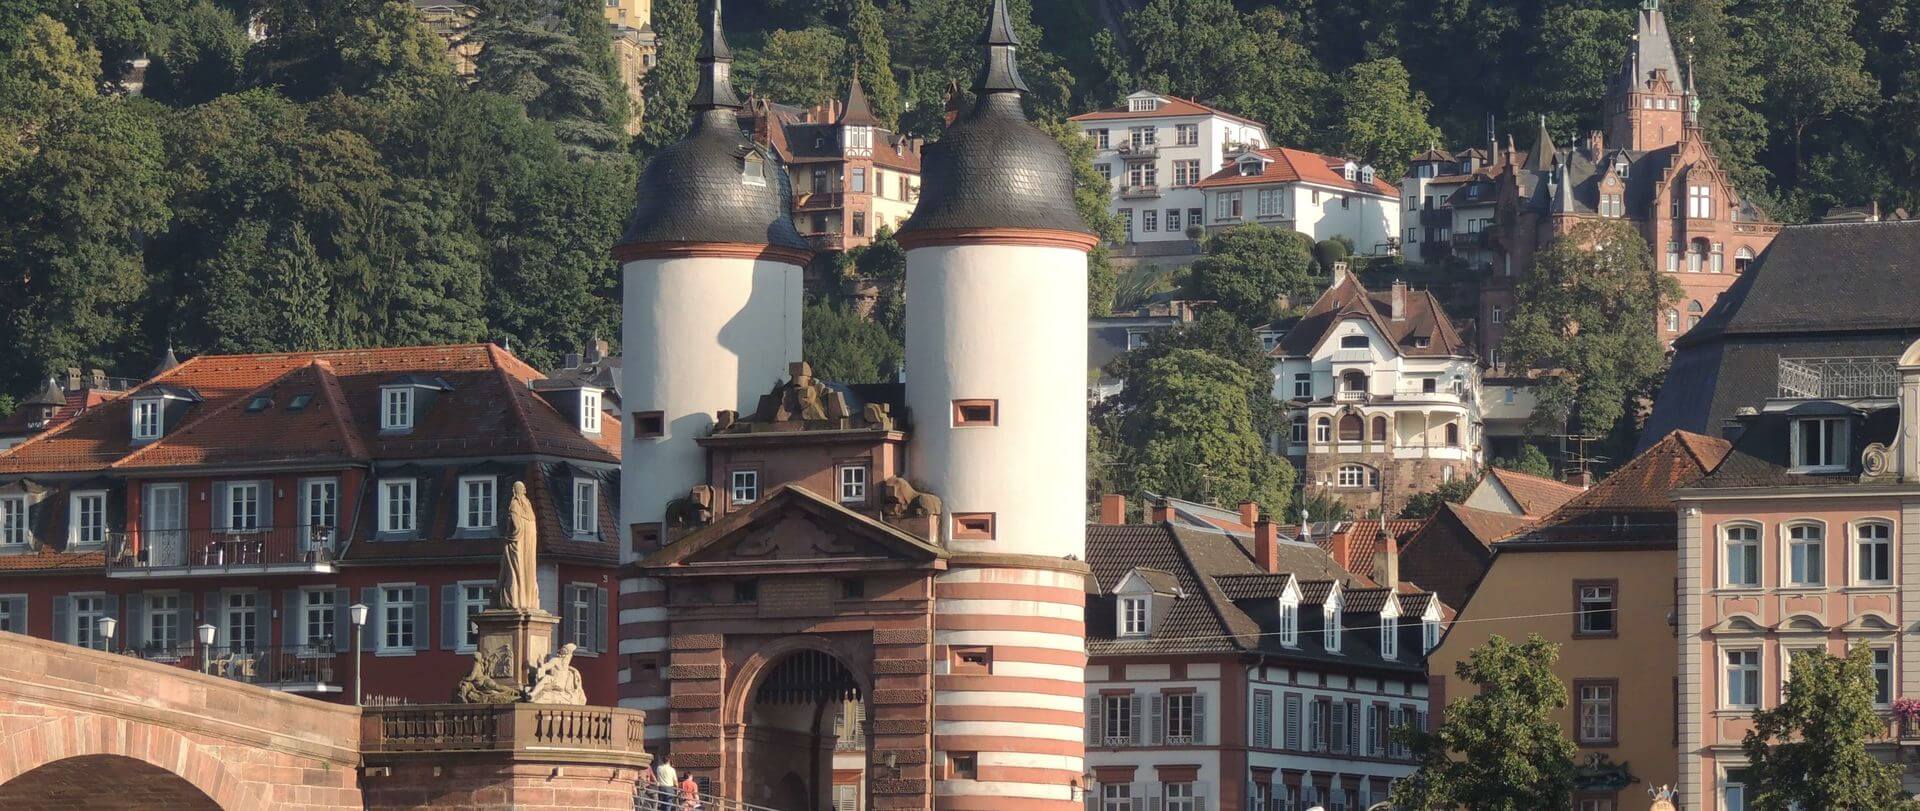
{"x": 1810, "y": 751}
{"x": 1246, "y": 270}
{"x": 1499, "y": 747}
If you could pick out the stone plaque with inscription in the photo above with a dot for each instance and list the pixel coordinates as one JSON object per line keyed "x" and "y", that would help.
{"x": 796, "y": 597}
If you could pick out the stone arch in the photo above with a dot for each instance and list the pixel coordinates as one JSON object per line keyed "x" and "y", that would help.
{"x": 757, "y": 744}
{"x": 746, "y": 679}
{"x": 106, "y": 782}
{"x": 84, "y": 738}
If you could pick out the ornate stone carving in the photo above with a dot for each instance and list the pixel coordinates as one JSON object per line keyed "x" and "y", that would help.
{"x": 480, "y": 686}
{"x": 556, "y": 681}
{"x": 519, "y": 586}
{"x": 1600, "y": 773}
{"x": 692, "y": 511}
{"x": 904, "y": 500}
{"x": 1876, "y": 463}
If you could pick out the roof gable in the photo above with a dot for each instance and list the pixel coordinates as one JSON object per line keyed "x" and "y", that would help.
{"x": 793, "y": 523}
{"x": 1635, "y": 503}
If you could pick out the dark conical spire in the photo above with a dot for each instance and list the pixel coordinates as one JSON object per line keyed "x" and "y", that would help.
{"x": 49, "y": 394}
{"x": 857, "y": 113}
{"x": 1544, "y": 152}
{"x": 716, "y": 63}
{"x": 168, "y": 363}
{"x": 1001, "y": 73}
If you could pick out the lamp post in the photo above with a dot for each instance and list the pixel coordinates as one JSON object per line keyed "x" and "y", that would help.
{"x": 106, "y": 626}
{"x": 206, "y": 632}
{"x": 359, "y": 614}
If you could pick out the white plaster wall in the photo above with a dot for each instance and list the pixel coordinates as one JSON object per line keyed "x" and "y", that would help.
{"x": 1007, "y": 323}
{"x": 701, "y": 334}
{"x": 1148, "y": 681}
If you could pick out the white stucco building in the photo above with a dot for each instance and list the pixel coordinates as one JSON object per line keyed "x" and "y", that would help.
{"x": 1318, "y": 195}
{"x": 1155, "y": 149}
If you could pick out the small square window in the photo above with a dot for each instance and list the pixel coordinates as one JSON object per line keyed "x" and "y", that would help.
{"x": 973, "y": 526}
{"x": 646, "y": 537}
{"x": 746, "y": 591}
{"x": 649, "y": 424}
{"x": 976, "y": 412}
{"x": 1596, "y": 607}
{"x": 963, "y": 765}
{"x": 746, "y": 486}
{"x": 853, "y": 588}
{"x": 974, "y": 660}
{"x": 853, "y": 484}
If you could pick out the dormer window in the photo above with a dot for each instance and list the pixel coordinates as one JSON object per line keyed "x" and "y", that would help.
{"x": 1349, "y": 171}
{"x": 1366, "y": 174}
{"x": 147, "y": 419}
{"x": 396, "y": 408}
{"x": 1289, "y": 623}
{"x": 590, "y": 411}
{"x": 1133, "y": 616}
{"x": 753, "y": 171}
{"x": 1390, "y": 637}
{"x": 1819, "y": 444}
{"x": 1330, "y": 627}
{"x": 1143, "y": 105}
{"x": 1430, "y": 633}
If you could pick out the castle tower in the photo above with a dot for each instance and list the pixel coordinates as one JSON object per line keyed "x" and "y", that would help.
{"x": 996, "y": 364}
{"x": 1647, "y": 104}
{"x": 712, "y": 272}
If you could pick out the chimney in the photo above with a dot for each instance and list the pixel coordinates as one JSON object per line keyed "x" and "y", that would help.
{"x": 953, "y": 101}
{"x": 1387, "y": 570}
{"x": 572, "y": 361}
{"x": 1339, "y": 549}
{"x": 1399, "y": 300}
{"x": 73, "y": 378}
{"x": 1595, "y": 143}
{"x": 1266, "y": 546}
{"x": 1113, "y": 509}
{"x": 99, "y": 377}
{"x": 1581, "y": 478}
{"x": 1249, "y": 513}
{"x": 596, "y": 350}
{"x": 1161, "y": 512}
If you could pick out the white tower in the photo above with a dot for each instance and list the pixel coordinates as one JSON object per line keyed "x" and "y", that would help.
{"x": 996, "y": 383}
{"x": 712, "y": 276}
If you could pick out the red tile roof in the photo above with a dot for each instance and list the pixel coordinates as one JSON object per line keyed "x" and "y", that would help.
{"x": 78, "y": 402}
{"x": 1288, "y": 165}
{"x": 1170, "y": 107}
{"x": 1634, "y": 505}
{"x": 490, "y": 411}
{"x": 42, "y": 560}
{"x": 1363, "y": 541}
{"x": 1537, "y": 496}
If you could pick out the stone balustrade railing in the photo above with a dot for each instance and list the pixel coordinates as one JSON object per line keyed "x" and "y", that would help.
{"x": 604, "y": 734}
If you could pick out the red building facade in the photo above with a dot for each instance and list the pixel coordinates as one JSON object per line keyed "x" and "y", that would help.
{"x": 266, "y": 495}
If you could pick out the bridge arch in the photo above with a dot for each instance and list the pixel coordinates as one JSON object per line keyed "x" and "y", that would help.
{"x": 105, "y": 782}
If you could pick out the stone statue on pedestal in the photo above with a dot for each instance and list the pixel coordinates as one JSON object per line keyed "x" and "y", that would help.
{"x": 555, "y": 681}
{"x": 511, "y": 662}
{"x": 519, "y": 587}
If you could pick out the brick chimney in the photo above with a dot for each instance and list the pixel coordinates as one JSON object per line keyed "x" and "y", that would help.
{"x": 1338, "y": 547}
{"x": 1249, "y": 513}
{"x": 1161, "y": 512}
{"x": 1266, "y": 546}
{"x": 1386, "y": 570}
{"x": 1399, "y": 300}
{"x": 1113, "y": 508}
{"x": 1581, "y": 478}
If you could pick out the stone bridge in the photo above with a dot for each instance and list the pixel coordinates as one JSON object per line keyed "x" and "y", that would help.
{"x": 85, "y": 729}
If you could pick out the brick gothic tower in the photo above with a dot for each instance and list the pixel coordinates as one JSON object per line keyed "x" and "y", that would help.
{"x": 1647, "y": 103}
{"x": 996, "y": 358}
{"x": 712, "y": 271}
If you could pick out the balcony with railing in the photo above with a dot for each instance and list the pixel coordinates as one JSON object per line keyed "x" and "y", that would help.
{"x": 1137, "y": 192}
{"x": 153, "y": 553}
{"x": 1133, "y": 151}
{"x": 826, "y": 241}
{"x": 819, "y": 200}
{"x": 1839, "y": 378}
{"x": 293, "y": 669}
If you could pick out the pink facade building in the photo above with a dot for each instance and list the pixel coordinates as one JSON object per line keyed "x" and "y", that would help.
{"x": 1806, "y": 538}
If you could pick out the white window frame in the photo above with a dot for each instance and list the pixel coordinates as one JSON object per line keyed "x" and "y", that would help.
{"x": 1323, "y": 430}
{"x": 1597, "y": 727}
{"x": 392, "y": 611}
{"x": 77, "y": 531}
{"x": 161, "y": 605}
{"x": 396, "y": 408}
{"x": 229, "y": 611}
{"x": 1136, "y": 616}
{"x": 590, "y": 411}
{"x": 309, "y": 606}
{"x": 1856, "y": 549}
{"x": 1289, "y": 623}
{"x": 1183, "y": 723}
{"x": 744, "y": 486}
{"x": 579, "y": 597}
{"x": 1350, "y": 476}
{"x": 484, "y": 506}
{"x": 321, "y": 493}
{"x": 1430, "y": 634}
{"x": 1890, "y": 668}
{"x": 1117, "y": 708}
{"x": 1186, "y": 172}
{"x": 15, "y": 527}
{"x": 404, "y": 521}
{"x": 853, "y": 484}
{"x": 471, "y": 597}
{"x": 1390, "y": 637}
{"x": 1753, "y": 544}
{"x": 1330, "y": 627}
{"x": 1727, "y": 673}
{"x": 239, "y": 494}
{"x": 1700, "y": 202}
{"x": 1610, "y": 614}
{"x": 86, "y": 621}
{"x": 1833, "y": 446}
{"x": 149, "y": 418}
{"x": 586, "y": 507}
{"x": 1790, "y": 576}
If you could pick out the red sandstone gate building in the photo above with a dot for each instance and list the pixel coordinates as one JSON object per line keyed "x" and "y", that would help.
{"x": 265, "y": 495}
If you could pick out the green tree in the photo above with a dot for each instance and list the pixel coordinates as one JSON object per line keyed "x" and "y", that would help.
{"x": 879, "y": 269}
{"x": 1500, "y": 746}
{"x": 1811, "y": 68}
{"x": 544, "y": 55}
{"x": 1584, "y": 312}
{"x": 875, "y": 57}
{"x": 318, "y": 47}
{"x": 48, "y": 75}
{"x": 74, "y": 218}
{"x": 204, "y": 57}
{"x": 669, "y": 85}
{"x": 1576, "y": 59}
{"x": 1196, "y": 436}
{"x": 1249, "y": 63}
{"x": 842, "y": 346}
{"x": 803, "y": 67}
{"x": 940, "y": 39}
{"x": 1531, "y": 461}
{"x": 1248, "y": 267}
{"x": 1381, "y": 119}
{"x": 1810, "y": 751}
{"x": 1421, "y": 505}
{"x": 1090, "y": 191}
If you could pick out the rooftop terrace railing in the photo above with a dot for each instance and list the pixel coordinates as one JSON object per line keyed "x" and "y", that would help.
{"x": 1838, "y": 378}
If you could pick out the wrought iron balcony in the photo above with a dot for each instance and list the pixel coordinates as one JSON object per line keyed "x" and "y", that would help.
{"x": 1839, "y": 378}
{"x": 201, "y": 552}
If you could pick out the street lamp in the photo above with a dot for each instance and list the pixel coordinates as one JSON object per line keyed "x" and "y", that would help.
{"x": 106, "y": 626}
{"x": 358, "y": 611}
{"x": 206, "y": 632}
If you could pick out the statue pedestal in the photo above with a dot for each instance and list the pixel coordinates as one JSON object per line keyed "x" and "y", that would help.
{"x": 525, "y": 636}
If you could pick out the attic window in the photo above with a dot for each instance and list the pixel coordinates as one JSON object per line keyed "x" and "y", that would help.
{"x": 1422, "y": 342}
{"x": 1366, "y": 174}
{"x": 396, "y": 408}
{"x": 753, "y": 170}
{"x": 259, "y": 403}
{"x": 1134, "y": 616}
{"x": 1146, "y": 105}
{"x": 1349, "y": 171}
{"x": 299, "y": 402}
{"x": 1819, "y": 444}
{"x": 973, "y": 526}
{"x": 1249, "y": 168}
{"x": 147, "y": 420}
{"x": 589, "y": 411}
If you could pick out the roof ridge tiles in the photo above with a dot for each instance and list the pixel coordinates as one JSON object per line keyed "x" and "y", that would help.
{"x": 500, "y": 359}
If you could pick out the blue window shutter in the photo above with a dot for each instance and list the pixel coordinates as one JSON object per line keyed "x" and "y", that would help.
{"x": 220, "y": 506}
{"x": 266, "y": 503}
{"x": 63, "y": 619}
{"x": 422, "y": 622}
{"x": 566, "y": 618}
{"x": 113, "y": 607}
{"x": 370, "y": 597}
{"x": 19, "y": 614}
{"x": 211, "y": 614}
{"x": 600, "y": 619}
{"x": 136, "y": 631}
{"x": 342, "y": 620}
{"x": 291, "y": 619}
{"x": 451, "y": 634}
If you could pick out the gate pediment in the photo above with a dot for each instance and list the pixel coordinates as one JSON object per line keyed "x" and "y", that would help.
{"x": 794, "y": 525}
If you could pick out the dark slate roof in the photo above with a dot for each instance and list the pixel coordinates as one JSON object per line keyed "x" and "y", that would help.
{"x": 857, "y": 112}
{"x": 1824, "y": 290}
{"x": 1760, "y": 456}
{"x": 49, "y": 394}
{"x": 692, "y": 192}
{"x": 1650, "y": 49}
{"x": 994, "y": 169}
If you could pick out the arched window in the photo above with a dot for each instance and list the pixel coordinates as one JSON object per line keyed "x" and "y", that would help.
{"x": 1872, "y": 553}
{"x": 1351, "y": 428}
{"x": 1742, "y": 558}
{"x": 1323, "y": 430}
{"x": 1696, "y": 255}
{"x": 1453, "y": 435}
{"x": 1694, "y": 312}
{"x": 1741, "y": 259}
{"x": 1353, "y": 382}
{"x": 1380, "y": 429}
